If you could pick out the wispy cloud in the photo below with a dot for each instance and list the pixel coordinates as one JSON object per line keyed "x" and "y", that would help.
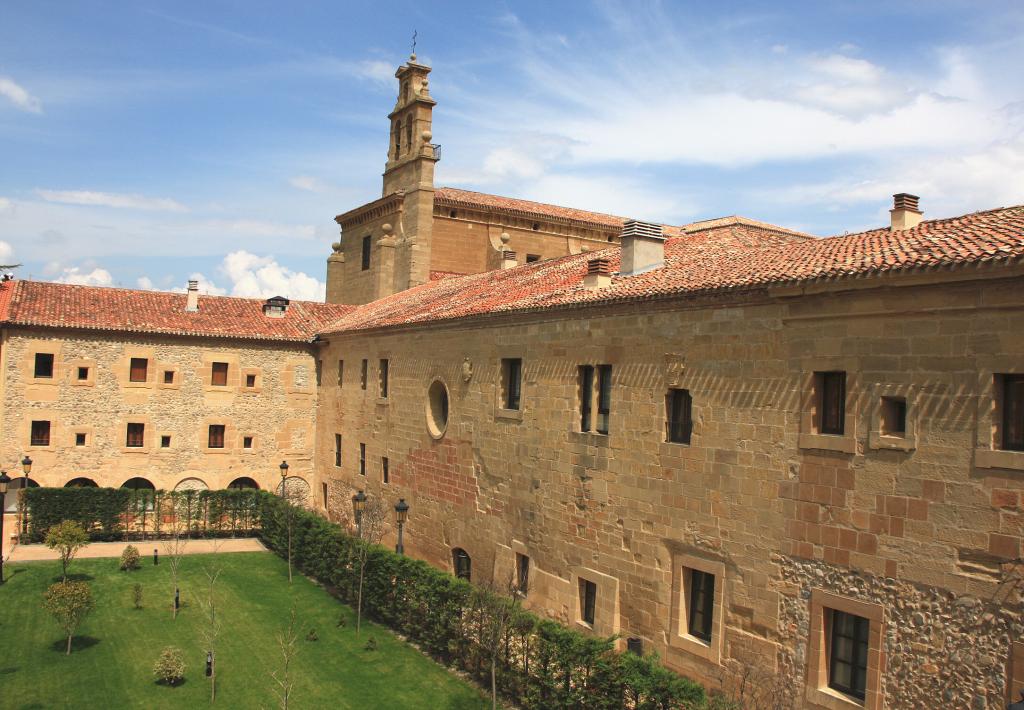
{"x": 112, "y": 199}
{"x": 307, "y": 183}
{"x": 18, "y": 96}
{"x": 79, "y": 276}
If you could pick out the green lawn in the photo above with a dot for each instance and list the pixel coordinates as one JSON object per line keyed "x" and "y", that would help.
{"x": 112, "y": 658}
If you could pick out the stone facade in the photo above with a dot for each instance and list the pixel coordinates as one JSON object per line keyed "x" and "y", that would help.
{"x": 909, "y": 529}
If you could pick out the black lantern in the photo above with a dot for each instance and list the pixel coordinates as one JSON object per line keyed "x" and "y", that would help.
{"x": 401, "y": 515}
{"x": 358, "y": 506}
{"x": 284, "y": 475}
{"x": 26, "y": 465}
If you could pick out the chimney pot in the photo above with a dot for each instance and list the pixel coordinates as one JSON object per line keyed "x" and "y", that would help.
{"x": 508, "y": 259}
{"x": 905, "y": 213}
{"x": 192, "y": 301}
{"x": 599, "y": 273}
{"x": 643, "y": 247}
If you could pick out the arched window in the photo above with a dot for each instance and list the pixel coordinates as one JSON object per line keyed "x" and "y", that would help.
{"x": 408, "y": 131}
{"x": 138, "y": 484}
{"x": 462, "y": 563}
{"x": 398, "y": 138}
{"x": 81, "y": 483}
{"x": 11, "y": 499}
{"x": 243, "y": 482}
{"x": 147, "y": 500}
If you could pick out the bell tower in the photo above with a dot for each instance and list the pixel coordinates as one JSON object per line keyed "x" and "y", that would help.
{"x": 411, "y": 155}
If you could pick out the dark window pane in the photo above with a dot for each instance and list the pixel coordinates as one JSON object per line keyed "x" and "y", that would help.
{"x": 702, "y": 604}
{"x": 522, "y": 573}
{"x": 341, "y": 372}
{"x": 337, "y": 449}
{"x": 40, "y": 433}
{"x": 366, "y": 253}
{"x": 848, "y": 654}
{"x": 83, "y": 373}
{"x": 216, "y": 439}
{"x": 1013, "y": 412}
{"x": 363, "y": 373}
{"x": 833, "y": 402}
{"x": 588, "y": 601}
{"x": 586, "y": 395}
{"x": 362, "y": 459}
{"x": 219, "y": 374}
{"x": 136, "y": 435}
{"x": 168, "y": 377}
{"x": 513, "y": 382}
{"x": 385, "y": 472}
{"x": 462, "y": 563}
{"x": 44, "y": 365}
{"x": 679, "y": 416}
{"x": 384, "y": 368}
{"x": 604, "y": 397}
{"x": 139, "y": 369}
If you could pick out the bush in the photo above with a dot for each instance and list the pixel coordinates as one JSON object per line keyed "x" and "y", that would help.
{"x": 130, "y": 558}
{"x": 137, "y": 595}
{"x": 69, "y": 602}
{"x": 169, "y": 668}
{"x": 67, "y": 538}
{"x": 541, "y": 665}
{"x": 371, "y": 644}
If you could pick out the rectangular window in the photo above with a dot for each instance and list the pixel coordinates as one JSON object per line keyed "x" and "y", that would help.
{"x": 44, "y": 365}
{"x": 341, "y": 373}
{"x": 383, "y": 375}
{"x": 366, "y": 253}
{"x": 385, "y": 469}
{"x": 530, "y": 258}
{"x": 79, "y": 439}
{"x": 246, "y": 442}
{"x": 165, "y": 441}
{"x": 337, "y": 450}
{"x": 586, "y": 395}
{"x": 363, "y": 373}
{"x": 680, "y": 422}
{"x": 250, "y": 381}
{"x": 848, "y": 654}
{"x": 702, "y": 604}
{"x": 832, "y": 402}
{"x": 138, "y": 369}
{"x": 362, "y": 459}
{"x": 522, "y": 573}
{"x": 83, "y": 373}
{"x": 219, "y": 374}
{"x": 604, "y": 397}
{"x": 216, "y": 437}
{"x": 588, "y": 600}
{"x": 323, "y": 493}
{"x": 1012, "y": 396}
{"x": 40, "y": 433}
{"x": 511, "y": 382}
{"x": 894, "y": 416}
{"x": 168, "y": 377}
{"x": 136, "y": 435}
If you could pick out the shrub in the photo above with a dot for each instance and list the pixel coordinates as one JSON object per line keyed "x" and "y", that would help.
{"x": 67, "y": 538}
{"x": 137, "y": 595}
{"x": 130, "y": 558}
{"x": 169, "y": 668}
{"x": 312, "y": 635}
{"x": 371, "y": 644}
{"x": 69, "y": 602}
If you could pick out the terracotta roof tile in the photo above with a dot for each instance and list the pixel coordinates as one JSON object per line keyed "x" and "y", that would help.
{"x": 716, "y": 259}
{"x": 39, "y": 303}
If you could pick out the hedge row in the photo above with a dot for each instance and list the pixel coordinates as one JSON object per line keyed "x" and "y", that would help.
{"x": 122, "y": 513}
{"x": 541, "y": 664}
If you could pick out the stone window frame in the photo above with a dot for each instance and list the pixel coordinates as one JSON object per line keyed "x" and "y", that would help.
{"x": 230, "y": 436}
{"x": 243, "y": 378}
{"x": 48, "y": 347}
{"x": 679, "y": 636}
{"x": 379, "y": 381}
{"x": 986, "y": 453}
{"x": 810, "y": 437}
{"x": 73, "y": 365}
{"x": 606, "y": 606}
{"x": 148, "y": 435}
{"x": 817, "y": 692}
{"x": 87, "y": 431}
{"x": 175, "y": 383}
{"x": 595, "y": 367}
{"x": 158, "y": 439}
{"x": 500, "y": 412}
{"x": 877, "y": 439}
{"x": 241, "y": 442}
{"x": 123, "y": 368}
{"x": 41, "y": 415}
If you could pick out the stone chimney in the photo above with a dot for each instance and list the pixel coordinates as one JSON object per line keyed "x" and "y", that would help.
{"x": 904, "y": 212}
{"x": 643, "y": 247}
{"x": 508, "y": 259}
{"x": 599, "y": 274}
{"x": 192, "y": 304}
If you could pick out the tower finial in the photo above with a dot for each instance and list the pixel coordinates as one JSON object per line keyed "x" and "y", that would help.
{"x": 412, "y": 56}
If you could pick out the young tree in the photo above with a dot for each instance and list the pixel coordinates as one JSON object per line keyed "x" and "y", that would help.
{"x": 67, "y": 538}
{"x": 69, "y": 602}
{"x": 371, "y": 527}
{"x": 496, "y": 606}
{"x": 174, "y": 550}
{"x": 287, "y": 641}
{"x": 212, "y": 565}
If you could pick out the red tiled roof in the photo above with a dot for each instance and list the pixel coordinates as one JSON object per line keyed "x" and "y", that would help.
{"x": 40, "y": 303}
{"x": 718, "y": 259}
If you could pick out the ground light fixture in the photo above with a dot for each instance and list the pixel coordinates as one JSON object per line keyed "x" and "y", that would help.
{"x": 401, "y": 515}
{"x": 5, "y": 481}
{"x": 358, "y": 506}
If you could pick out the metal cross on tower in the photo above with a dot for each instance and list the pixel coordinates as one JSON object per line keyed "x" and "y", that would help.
{"x": 414, "y": 43}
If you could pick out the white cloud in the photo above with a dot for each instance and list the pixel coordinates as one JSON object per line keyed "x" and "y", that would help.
{"x": 308, "y": 183}
{"x": 5, "y": 205}
{"x": 111, "y": 199}
{"x": 376, "y": 70}
{"x": 78, "y": 276}
{"x": 19, "y": 96}
{"x": 259, "y": 228}
{"x": 205, "y": 285}
{"x": 6, "y": 253}
{"x": 262, "y": 277}
{"x": 145, "y": 283}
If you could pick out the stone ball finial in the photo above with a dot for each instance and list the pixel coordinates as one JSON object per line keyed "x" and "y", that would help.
{"x": 427, "y": 135}
{"x": 505, "y": 238}
{"x": 336, "y": 246}
{"x": 386, "y": 227}
{"x": 412, "y": 57}
{"x": 425, "y": 83}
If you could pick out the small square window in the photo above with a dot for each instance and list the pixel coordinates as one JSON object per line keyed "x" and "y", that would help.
{"x": 522, "y": 573}
{"x": 79, "y": 439}
{"x": 168, "y": 377}
{"x": 246, "y": 442}
{"x": 138, "y": 370}
{"x": 511, "y": 382}
{"x": 44, "y": 365}
{"x": 165, "y": 441}
{"x": 219, "y": 374}
{"x": 385, "y": 472}
{"x": 894, "y": 416}
{"x": 83, "y": 373}
{"x": 250, "y": 381}
{"x": 848, "y": 654}
{"x": 830, "y": 396}
{"x": 588, "y": 601}
{"x": 679, "y": 416}
{"x": 136, "y": 435}
{"x": 216, "y": 436}
{"x": 40, "y": 433}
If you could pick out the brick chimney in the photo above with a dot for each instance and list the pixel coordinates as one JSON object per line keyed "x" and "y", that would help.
{"x": 192, "y": 304}
{"x": 643, "y": 247}
{"x": 508, "y": 259}
{"x": 599, "y": 274}
{"x": 904, "y": 212}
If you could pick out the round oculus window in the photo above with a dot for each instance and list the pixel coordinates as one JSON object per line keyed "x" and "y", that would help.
{"x": 437, "y": 408}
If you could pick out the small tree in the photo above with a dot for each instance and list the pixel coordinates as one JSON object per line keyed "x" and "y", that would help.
{"x": 137, "y": 595}
{"x": 370, "y": 531}
{"x": 130, "y": 559}
{"x": 497, "y": 607}
{"x": 170, "y": 666}
{"x": 286, "y": 639}
{"x": 69, "y": 602}
{"x": 67, "y": 538}
{"x": 213, "y": 565}
{"x": 174, "y": 549}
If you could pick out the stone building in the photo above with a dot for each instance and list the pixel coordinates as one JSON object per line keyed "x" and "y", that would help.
{"x": 114, "y": 387}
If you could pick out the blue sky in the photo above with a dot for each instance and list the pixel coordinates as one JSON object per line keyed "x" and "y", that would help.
{"x": 142, "y": 143}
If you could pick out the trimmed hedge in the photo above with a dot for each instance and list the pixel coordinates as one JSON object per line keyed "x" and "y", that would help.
{"x": 541, "y": 663}
{"x": 122, "y": 513}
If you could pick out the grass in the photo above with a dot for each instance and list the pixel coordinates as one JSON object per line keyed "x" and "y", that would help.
{"x": 115, "y": 648}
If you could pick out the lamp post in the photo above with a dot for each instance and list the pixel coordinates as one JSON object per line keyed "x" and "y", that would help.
{"x": 4, "y": 482}
{"x": 26, "y": 467}
{"x": 284, "y": 479}
{"x": 358, "y": 505}
{"x": 401, "y": 515}
{"x": 284, "y": 475}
